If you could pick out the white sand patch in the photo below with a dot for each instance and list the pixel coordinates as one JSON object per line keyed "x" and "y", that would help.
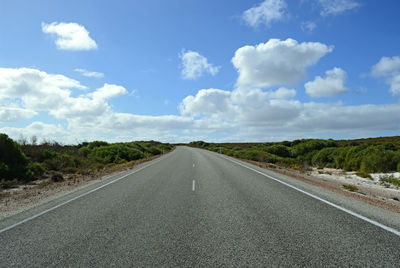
{"x": 369, "y": 186}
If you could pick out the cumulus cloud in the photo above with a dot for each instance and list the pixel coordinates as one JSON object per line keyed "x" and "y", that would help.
{"x": 206, "y": 101}
{"x": 40, "y": 91}
{"x": 248, "y": 112}
{"x": 13, "y": 113}
{"x": 87, "y": 73}
{"x": 282, "y": 93}
{"x": 195, "y": 65}
{"x": 276, "y": 62}
{"x": 108, "y": 91}
{"x": 265, "y": 13}
{"x": 389, "y": 68}
{"x": 329, "y": 86}
{"x": 70, "y": 36}
{"x": 253, "y": 115}
{"x": 43, "y": 131}
{"x": 336, "y": 7}
{"x": 308, "y": 26}
{"x": 25, "y": 91}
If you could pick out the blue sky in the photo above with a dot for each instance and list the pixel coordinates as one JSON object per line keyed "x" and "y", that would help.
{"x": 179, "y": 71}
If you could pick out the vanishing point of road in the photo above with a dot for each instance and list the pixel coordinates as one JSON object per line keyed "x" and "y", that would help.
{"x": 194, "y": 208}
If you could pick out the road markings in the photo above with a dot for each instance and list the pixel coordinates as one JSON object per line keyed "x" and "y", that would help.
{"x": 193, "y": 164}
{"x": 387, "y": 228}
{"x": 73, "y": 199}
{"x": 193, "y": 185}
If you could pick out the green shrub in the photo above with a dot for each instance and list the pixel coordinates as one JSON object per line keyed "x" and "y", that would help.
{"x": 324, "y": 157}
{"x": 363, "y": 174}
{"x": 13, "y": 163}
{"x": 308, "y": 146}
{"x": 57, "y": 177}
{"x": 350, "y": 187}
{"x": 71, "y": 170}
{"x": 95, "y": 144}
{"x": 154, "y": 151}
{"x": 7, "y": 184}
{"x": 279, "y": 150}
{"x": 47, "y": 154}
{"x": 377, "y": 159}
{"x": 390, "y": 179}
{"x": 353, "y": 159}
{"x": 114, "y": 152}
{"x": 254, "y": 155}
{"x": 84, "y": 151}
{"x": 36, "y": 168}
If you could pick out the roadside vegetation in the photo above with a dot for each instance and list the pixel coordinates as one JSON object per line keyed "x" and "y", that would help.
{"x": 24, "y": 162}
{"x": 350, "y": 187}
{"x": 364, "y": 156}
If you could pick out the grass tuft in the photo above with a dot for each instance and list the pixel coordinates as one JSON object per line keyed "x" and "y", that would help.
{"x": 390, "y": 179}
{"x": 350, "y": 187}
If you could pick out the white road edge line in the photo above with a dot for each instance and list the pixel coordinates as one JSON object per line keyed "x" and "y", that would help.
{"x": 73, "y": 199}
{"x": 193, "y": 186}
{"x": 387, "y": 228}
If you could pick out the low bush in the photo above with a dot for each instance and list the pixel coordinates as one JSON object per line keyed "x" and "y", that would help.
{"x": 390, "y": 179}
{"x": 364, "y": 155}
{"x": 57, "y": 177}
{"x": 29, "y": 161}
{"x": 363, "y": 174}
{"x": 350, "y": 187}
{"x": 13, "y": 162}
{"x": 279, "y": 150}
{"x": 7, "y": 184}
{"x": 36, "y": 168}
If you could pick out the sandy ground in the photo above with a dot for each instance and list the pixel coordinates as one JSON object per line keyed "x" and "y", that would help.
{"x": 370, "y": 190}
{"x": 369, "y": 186}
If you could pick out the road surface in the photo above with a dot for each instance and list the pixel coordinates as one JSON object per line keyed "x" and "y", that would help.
{"x": 193, "y": 208}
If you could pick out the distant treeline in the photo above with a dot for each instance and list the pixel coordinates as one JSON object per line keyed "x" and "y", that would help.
{"x": 362, "y": 155}
{"x": 27, "y": 162}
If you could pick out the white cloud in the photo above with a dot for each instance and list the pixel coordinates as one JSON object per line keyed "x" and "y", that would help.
{"x": 276, "y": 62}
{"x": 331, "y": 85}
{"x": 108, "y": 91}
{"x": 40, "y": 91}
{"x": 247, "y": 113}
{"x": 70, "y": 36}
{"x": 336, "y": 7}
{"x": 13, "y": 113}
{"x": 195, "y": 65}
{"x": 45, "y": 132}
{"x": 206, "y": 101}
{"x": 265, "y": 13}
{"x": 308, "y": 26}
{"x": 26, "y": 91}
{"x": 87, "y": 73}
{"x": 282, "y": 93}
{"x": 253, "y": 115}
{"x": 389, "y": 68}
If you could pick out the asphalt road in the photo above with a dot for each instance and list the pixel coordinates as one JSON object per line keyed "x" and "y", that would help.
{"x": 230, "y": 216}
